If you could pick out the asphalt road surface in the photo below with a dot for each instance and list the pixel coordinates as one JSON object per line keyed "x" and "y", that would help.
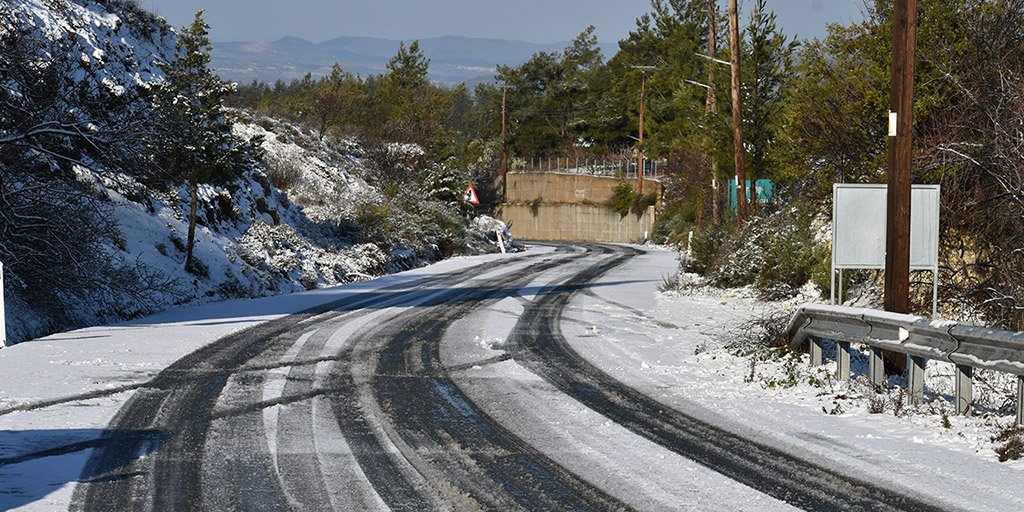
{"x": 360, "y": 405}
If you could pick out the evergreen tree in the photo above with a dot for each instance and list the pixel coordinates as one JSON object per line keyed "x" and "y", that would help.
{"x": 551, "y": 97}
{"x": 769, "y": 69}
{"x": 408, "y": 68}
{"x": 195, "y": 143}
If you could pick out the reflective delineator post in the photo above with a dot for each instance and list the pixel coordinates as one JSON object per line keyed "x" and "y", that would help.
{"x": 501, "y": 241}
{"x": 3, "y": 325}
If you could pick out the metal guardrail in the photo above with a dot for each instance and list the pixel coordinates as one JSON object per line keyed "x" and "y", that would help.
{"x": 968, "y": 347}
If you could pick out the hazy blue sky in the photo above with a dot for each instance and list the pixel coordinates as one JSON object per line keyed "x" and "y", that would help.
{"x": 541, "y": 21}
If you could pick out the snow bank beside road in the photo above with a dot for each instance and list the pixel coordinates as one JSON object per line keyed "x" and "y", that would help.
{"x": 671, "y": 347}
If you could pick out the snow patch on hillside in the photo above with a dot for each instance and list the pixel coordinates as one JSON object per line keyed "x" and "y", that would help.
{"x": 117, "y": 49}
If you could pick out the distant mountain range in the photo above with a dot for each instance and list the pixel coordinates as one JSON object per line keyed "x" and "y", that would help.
{"x": 453, "y": 59}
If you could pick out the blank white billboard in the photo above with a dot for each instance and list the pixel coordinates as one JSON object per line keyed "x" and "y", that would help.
{"x": 859, "y": 222}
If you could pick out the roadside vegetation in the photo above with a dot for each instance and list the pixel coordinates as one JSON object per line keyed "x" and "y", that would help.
{"x": 73, "y": 131}
{"x": 814, "y": 115}
{"x": 127, "y": 186}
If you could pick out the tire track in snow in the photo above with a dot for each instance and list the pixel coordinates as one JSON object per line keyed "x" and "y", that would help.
{"x": 442, "y": 432}
{"x": 163, "y": 471}
{"x": 538, "y": 344}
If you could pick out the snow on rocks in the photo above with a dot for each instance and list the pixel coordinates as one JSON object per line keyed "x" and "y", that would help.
{"x": 487, "y": 234}
{"x": 322, "y": 175}
{"x": 111, "y": 51}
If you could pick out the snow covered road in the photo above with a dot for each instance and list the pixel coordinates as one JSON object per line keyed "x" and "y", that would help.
{"x": 512, "y": 382}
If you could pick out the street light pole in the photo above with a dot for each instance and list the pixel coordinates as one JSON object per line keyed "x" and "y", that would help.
{"x": 897, "y": 243}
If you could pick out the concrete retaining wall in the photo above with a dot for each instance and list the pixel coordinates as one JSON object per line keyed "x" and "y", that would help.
{"x": 554, "y": 188}
{"x": 575, "y": 222}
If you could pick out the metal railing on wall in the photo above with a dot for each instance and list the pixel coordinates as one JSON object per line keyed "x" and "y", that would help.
{"x": 590, "y": 167}
{"x": 968, "y": 347}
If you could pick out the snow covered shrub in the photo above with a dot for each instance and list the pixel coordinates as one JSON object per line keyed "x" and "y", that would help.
{"x": 670, "y": 284}
{"x": 1012, "y": 447}
{"x": 66, "y": 272}
{"x": 482, "y": 236}
{"x": 390, "y": 165}
{"x": 788, "y": 255}
{"x": 284, "y": 173}
{"x": 375, "y": 221}
{"x": 706, "y": 247}
{"x": 877, "y": 403}
{"x": 775, "y": 254}
{"x": 766, "y": 331}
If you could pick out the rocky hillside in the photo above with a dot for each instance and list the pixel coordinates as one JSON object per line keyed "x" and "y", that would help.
{"x": 108, "y": 239}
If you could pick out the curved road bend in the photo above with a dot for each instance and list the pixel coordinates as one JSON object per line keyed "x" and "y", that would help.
{"x": 348, "y": 407}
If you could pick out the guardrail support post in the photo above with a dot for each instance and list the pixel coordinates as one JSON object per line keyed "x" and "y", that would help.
{"x": 843, "y": 360}
{"x": 1020, "y": 400}
{"x": 876, "y": 367}
{"x": 964, "y": 393}
{"x": 816, "y": 352}
{"x": 915, "y": 380}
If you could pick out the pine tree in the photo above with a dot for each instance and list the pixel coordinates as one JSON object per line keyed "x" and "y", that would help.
{"x": 408, "y": 68}
{"x": 195, "y": 144}
{"x": 770, "y": 63}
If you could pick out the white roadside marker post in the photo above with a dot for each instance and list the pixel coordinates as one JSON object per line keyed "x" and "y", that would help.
{"x": 3, "y": 325}
{"x": 501, "y": 240}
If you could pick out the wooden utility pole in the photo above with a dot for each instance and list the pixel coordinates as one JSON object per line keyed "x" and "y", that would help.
{"x": 712, "y": 104}
{"x": 640, "y": 153}
{"x": 737, "y": 112}
{"x": 504, "y": 145}
{"x": 897, "y": 240}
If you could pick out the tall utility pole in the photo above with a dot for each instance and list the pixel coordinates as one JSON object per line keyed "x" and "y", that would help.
{"x": 504, "y": 145}
{"x": 640, "y": 149}
{"x": 712, "y": 103}
{"x": 640, "y": 153}
{"x": 901, "y": 103}
{"x": 737, "y": 112}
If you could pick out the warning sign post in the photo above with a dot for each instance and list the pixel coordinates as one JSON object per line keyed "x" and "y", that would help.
{"x": 470, "y": 196}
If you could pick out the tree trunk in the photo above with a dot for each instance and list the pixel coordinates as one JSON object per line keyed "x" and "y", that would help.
{"x": 191, "y": 243}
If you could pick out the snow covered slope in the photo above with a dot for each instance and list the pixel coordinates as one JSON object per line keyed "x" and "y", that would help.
{"x": 301, "y": 219}
{"x": 115, "y": 42}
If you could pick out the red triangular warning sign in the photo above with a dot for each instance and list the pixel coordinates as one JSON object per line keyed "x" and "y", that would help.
{"x": 470, "y": 196}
